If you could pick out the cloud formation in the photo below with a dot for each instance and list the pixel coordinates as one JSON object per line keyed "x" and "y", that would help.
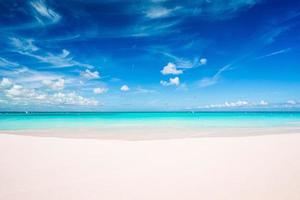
{"x": 172, "y": 81}
{"x": 5, "y": 83}
{"x": 72, "y": 98}
{"x": 124, "y": 88}
{"x": 24, "y": 44}
{"x": 100, "y": 90}
{"x": 229, "y": 104}
{"x": 274, "y": 53}
{"x": 208, "y": 81}
{"x": 291, "y": 102}
{"x": 203, "y": 61}
{"x": 27, "y": 47}
{"x": 237, "y": 104}
{"x": 55, "y": 84}
{"x": 49, "y": 48}
{"x": 90, "y": 74}
{"x": 170, "y": 68}
{"x": 158, "y": 12}
{"x": 43, "y": 13}
{"x": 21, "y": 95}
{"x": 263, "y": 103}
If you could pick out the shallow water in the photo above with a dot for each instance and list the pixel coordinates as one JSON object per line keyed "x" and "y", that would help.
{"x": 30, "y": 121}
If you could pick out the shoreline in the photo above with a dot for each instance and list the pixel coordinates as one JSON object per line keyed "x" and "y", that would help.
{"x": 154, "y": 133}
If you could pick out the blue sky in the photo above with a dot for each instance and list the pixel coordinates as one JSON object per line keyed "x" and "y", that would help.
{"x": 119, "y": 55}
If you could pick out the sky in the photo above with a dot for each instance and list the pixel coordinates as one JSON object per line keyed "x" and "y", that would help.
{"x": 149, "y": 55}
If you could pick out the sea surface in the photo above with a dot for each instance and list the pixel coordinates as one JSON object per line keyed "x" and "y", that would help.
{"x": 55, "y": 120}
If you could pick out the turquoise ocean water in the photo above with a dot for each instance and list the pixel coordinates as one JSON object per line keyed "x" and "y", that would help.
{"x": 29, "y": 121}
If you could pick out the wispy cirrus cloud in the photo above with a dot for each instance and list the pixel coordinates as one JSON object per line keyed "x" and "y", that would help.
{"x": 56, "y": 60}
{"x": 180, "y": 62}
{"x": 27, "y": 47}
{"x": 58, "y": 46}
{"x": 274, "y": 53}
{"x": 23, "y": 44}
{"x": 43, "y": 13}
{"x": 34, "y": 78}
{"x": 90, "y": 74}
{"x": 264, "y": 39}
{"x": 6, "y": 63}
{"x": 141, "y": 90}
{"x": 209, "y": 81}
{"x": 158, "y": 12}
{"x": 271, "y": 36}
{"x": 212, "y": 10}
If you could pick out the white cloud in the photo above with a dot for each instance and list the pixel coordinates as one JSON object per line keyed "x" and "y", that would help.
{"x": 19, "y": 94}
{"x": 172, "y": 81}
{"x": 124, "y": 88}
{"x": 90, "y": 75}
{"x": 170, "y": 68}
{"x": 270, "y": 36}
{"x": 229, "y": 104}
{"x": 143, "y": 90}
{"x": 100, "y": 90}
{"x": 43, "y": 13}
{"x": 57, "y": 61}
{"x": 274, "y": 53}
{"x": 30, "y": 77}
{"x": 220, "y": 10}
{"x": 72, "y": 98}
{"x": 23, "y": 44}
{"x": 22, "y": 95}
{"x": 64, "y": 53}
{"x": 5, "y": 83}
{"x": 185, "y": 64}
{"x": 6, "y": 63}
{"x": 238, "y": 104}
{"x": 263, "y": 103}
{"x": 203, "y": 61}
{"x": 55, "y": 84}
{"x": 3, "y": 101}
{"x": 208, "y": 81}
{"x": 158, "y": 12}
{"x": 16, "y": 90}
{"x": 291, "y": 102}
{"x": 27, "y": 48}
{"x": 208, "y": 9}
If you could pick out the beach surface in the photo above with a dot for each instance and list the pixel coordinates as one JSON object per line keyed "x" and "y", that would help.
{"x": 212, "y": 168}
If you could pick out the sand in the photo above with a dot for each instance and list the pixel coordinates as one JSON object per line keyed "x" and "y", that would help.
{"x": 263, "y": 167}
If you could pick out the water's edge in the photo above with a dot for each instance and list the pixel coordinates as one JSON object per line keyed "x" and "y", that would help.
{"x": 154, "y": 133}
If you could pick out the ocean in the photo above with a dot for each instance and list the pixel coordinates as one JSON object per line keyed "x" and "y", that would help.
{"x": 57, "y": 120}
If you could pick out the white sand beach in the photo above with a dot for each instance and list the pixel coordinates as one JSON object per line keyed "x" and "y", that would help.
{"x": 263, "y": 167}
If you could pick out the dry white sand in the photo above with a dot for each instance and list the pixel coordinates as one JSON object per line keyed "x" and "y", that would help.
{"x": 232, "y": 168}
